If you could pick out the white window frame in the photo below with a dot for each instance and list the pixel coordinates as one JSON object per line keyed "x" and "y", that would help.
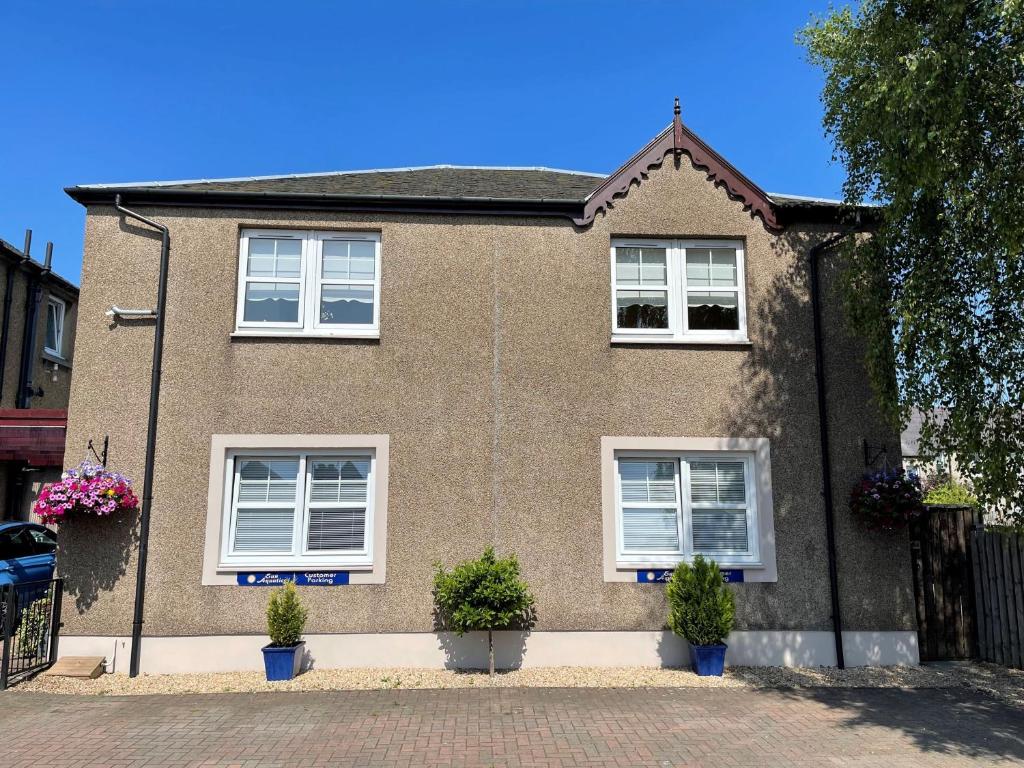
{"x": 310, "y": 285}
{"x": 61, "y": 316}
{"x": 684, "y": 506}
{"x": 300, "y": 556}
{"x": 678, "y": 331}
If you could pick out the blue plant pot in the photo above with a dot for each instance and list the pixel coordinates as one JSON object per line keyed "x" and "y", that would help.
{"x": 282, "y": 663}
{"x": 708, "y": 660}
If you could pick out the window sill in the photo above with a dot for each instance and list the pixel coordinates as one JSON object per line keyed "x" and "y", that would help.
{"x": 658, "y": 565}
{"x": 267, "y": 334}
{"x": 50, "y": 357}
{"x": 311, "y": 567}
{"x": 688, "y": 342}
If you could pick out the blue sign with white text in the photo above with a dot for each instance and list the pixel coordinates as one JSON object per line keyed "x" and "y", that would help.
{"x": 661, "y": 575}
{"x": 301, "y": 578}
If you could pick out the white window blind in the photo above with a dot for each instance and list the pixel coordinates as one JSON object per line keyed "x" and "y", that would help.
{"x": 299, "y": 509}
{"x": 678, "y": 290}
{"x": 309, "y": 282}
{"x": 679, "y": 506}
{"x": 650, "y": 506}
{"x": 337, "y": 504}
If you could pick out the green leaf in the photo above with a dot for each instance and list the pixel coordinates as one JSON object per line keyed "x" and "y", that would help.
{"x": 924, "y": 102}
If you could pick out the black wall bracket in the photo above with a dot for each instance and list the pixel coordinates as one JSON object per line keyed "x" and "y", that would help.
{"x": 872, "y": 453}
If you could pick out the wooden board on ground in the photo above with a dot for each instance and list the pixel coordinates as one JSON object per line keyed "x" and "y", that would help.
{"x": 77, "y": 666}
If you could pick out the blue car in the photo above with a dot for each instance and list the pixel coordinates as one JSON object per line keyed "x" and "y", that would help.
{"x": 27, "y": 553}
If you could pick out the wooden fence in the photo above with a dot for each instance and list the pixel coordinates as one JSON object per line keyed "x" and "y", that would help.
{"x": 998, "y": 560}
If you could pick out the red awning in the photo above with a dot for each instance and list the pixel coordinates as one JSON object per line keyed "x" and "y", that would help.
{"x": 33, "y": 435}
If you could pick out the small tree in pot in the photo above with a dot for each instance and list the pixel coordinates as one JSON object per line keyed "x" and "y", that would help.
{"x": 483, "y": 595}
{"x": 286, "y": 618}
{"x": 701, "y": 610}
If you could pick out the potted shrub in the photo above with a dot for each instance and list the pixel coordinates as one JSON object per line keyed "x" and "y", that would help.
{"x": 701, "y": 610}
{"x": 286, "y": 619}
{"x": 483, "y": 595}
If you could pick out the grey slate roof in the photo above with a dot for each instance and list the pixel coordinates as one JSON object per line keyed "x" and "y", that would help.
{"x": 429, "y": 182}
{"x": 431, "y": 189}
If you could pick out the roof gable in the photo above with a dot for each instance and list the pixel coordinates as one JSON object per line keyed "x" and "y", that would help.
{"x": 678, "y": 140}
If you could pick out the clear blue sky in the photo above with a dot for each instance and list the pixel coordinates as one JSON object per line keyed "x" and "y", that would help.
{"x": 112, "y": 90}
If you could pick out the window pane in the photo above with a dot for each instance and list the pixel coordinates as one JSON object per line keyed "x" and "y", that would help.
{"x": 271, "y": 303}
{"x": 646, "y": 266}
{"x": 720, "y": 530}
{"x": 698, "y": 267}
{"x": 654, "y": 530}
{"x": 335, "y": 263}
{"x": 648, "y": 481}
{"x": 641, "y": 309}
{"x": 336, "y": 529}
{"x": 707, "y": 311}
{"x": 267, "y": 480}
{"x": 339, "y": 480}
{"x": 274, "y": 258}
{"x": 627, "y": 265}
{"x": 53, "y": 323}
{"x": 723, "y": 267}
{"x": 346, "y": 304}
{"x": 718, "y": 482}
{"x": 264, "y": 530}
{"x": 361, "y": 253}
{"x": 348, "y": 260}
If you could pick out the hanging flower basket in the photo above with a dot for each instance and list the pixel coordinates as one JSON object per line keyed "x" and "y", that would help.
{"x": 88, "y": 489}
{"x": 887, "y": 500}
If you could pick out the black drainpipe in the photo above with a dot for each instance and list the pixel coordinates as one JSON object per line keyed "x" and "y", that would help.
{"x": 154, "y": 403}
{"x": 28, "y": 343}
{"x": 826, "y": 453}
{"x": 5, "y": 332}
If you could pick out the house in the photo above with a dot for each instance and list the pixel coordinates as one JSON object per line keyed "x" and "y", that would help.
{"x": 37, "y": 338}
{"x": 365, "y": 373}
{"x": 931, "y": 468}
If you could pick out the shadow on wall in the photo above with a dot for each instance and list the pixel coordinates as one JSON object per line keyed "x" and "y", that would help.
{"x": 775, "y": 397}
{"x": 469, "y": 652}
{"x": 871, "y": 649}
{"x": 93, "y": 554}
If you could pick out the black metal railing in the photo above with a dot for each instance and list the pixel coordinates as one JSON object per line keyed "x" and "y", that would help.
{"x": 30, "y": 623}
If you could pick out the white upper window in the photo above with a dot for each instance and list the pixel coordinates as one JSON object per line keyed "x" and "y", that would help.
{"x": 673, "y": 506}
{"x": 297, "y": 509}
{"x": 678, "y": 290}
{"x": 55, "y": 309}
{"x": 309, "y": 283}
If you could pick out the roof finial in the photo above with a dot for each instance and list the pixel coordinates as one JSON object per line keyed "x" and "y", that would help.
{"x": 677, "y": 129}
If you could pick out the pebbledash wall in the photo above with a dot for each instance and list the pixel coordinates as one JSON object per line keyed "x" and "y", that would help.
{"x": 494, "y": 392}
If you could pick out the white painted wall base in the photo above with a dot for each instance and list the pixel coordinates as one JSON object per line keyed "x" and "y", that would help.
{"x": 229, "y": 653}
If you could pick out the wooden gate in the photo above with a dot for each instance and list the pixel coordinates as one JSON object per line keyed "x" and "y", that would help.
{"x": 940, "y": 548}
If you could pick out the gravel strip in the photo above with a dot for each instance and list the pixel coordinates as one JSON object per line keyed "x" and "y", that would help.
{"x": 1005, "y": 684}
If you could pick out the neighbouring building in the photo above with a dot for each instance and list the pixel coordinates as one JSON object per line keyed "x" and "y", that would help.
{"x": 365, "y": 373}
{"x": 37, "y": 339}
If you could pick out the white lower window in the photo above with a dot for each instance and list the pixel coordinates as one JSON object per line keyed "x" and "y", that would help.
{"x": 674, "y": 506}
{"x": 292, "y": 509}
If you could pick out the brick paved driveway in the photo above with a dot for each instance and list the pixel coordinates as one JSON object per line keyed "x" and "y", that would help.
{"x": 515, "y": 727}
